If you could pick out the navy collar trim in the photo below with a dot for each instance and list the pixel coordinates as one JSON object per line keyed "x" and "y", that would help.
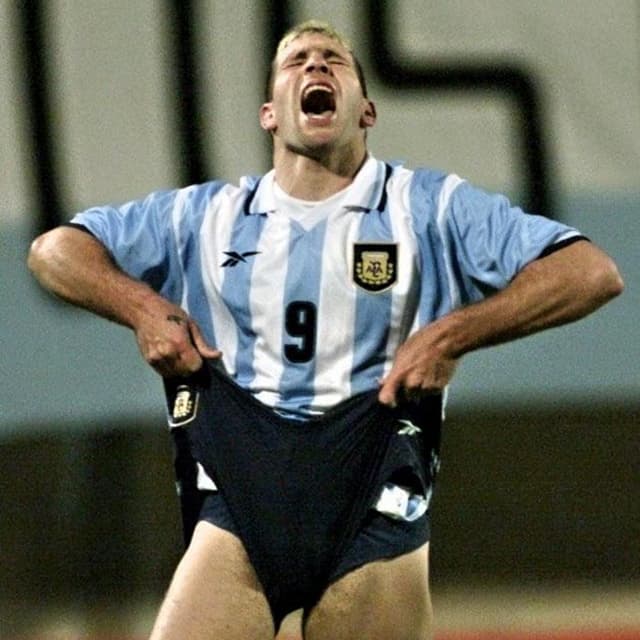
{"x": 382, "y": 198}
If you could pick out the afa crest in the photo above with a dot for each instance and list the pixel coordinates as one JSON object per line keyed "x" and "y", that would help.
{"x": 185, "y": 406}
{"x": 375, "y": 266}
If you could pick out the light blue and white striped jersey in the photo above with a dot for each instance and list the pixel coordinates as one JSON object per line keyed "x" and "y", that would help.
{"x": 309, "y": 310}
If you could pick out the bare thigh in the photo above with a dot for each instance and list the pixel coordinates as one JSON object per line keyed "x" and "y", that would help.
{"x": 383, "y": 600}
{"x": 214, "y": 593}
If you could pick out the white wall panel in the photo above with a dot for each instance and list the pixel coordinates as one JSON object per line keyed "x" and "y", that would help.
{"x": 111, "y": 101}
{"x": 232, "y": 54}
{"x": 586, "y": 54}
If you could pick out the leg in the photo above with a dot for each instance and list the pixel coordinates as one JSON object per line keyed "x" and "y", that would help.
{"x": 214, "y": 593}
{"x": 383, "y": 600}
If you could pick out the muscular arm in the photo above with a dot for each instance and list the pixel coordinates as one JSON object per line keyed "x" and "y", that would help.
{"x": 559, "y": 288}
{"x": 76, "y": 267}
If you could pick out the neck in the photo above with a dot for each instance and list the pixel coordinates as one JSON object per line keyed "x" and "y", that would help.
{"x": 316, "y": 178}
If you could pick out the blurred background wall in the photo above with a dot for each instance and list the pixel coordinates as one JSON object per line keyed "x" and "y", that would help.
{"x": 106, "y": 100}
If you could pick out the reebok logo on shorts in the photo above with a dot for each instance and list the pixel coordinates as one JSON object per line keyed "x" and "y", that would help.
{"x": 409, "y": 429}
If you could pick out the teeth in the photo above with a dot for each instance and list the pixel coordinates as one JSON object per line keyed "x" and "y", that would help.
{"x": 316, "y": 87}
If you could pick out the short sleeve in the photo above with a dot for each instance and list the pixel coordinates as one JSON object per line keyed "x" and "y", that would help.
{"x": 140, "y": 237}
{"x": 490, "y": 240}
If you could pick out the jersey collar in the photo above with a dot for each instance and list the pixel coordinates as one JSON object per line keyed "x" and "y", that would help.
{"x": 366, "y": 193}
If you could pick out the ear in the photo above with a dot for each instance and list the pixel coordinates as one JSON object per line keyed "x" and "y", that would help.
{"x": 267, "y": 117}
{"x": 369, "y": 115}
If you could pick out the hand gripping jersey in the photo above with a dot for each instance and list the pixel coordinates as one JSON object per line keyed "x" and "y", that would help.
{"x": 309, "y": 310}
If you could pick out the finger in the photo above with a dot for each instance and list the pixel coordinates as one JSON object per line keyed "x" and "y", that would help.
{"x": 175, "y": 359}
{"x": 179, "y": 366}
{"x": 388, "y": 393}
{"x": 201, "y": 344}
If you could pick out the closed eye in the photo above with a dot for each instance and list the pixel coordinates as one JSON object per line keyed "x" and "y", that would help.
{"x": 334, "y": 56}
{"x": 299, "y": 58}
{"x": 295, "y": 60}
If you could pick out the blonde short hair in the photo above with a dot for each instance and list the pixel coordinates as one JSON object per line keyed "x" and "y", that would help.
{"x": 312, "y": 26}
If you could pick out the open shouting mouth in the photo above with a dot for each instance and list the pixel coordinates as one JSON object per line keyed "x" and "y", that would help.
{"x": 318, "y": 102}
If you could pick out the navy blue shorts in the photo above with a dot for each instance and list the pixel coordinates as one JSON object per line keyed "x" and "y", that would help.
{"x": 301, "y": 494}
{"x": 379, "y": 537}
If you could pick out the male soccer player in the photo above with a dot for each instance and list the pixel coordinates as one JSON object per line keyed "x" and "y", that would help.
{"x": 306, "y": 324}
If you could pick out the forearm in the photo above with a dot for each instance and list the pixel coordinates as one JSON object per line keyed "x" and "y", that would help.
{"x": 77, "y": 268}
{"x": 560, "y": 288}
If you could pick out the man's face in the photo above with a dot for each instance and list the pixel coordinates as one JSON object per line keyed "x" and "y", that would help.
{"x": 317, "y": 99}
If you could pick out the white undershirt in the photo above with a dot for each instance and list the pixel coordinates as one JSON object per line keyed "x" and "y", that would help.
{"x": 307, "y": 213}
